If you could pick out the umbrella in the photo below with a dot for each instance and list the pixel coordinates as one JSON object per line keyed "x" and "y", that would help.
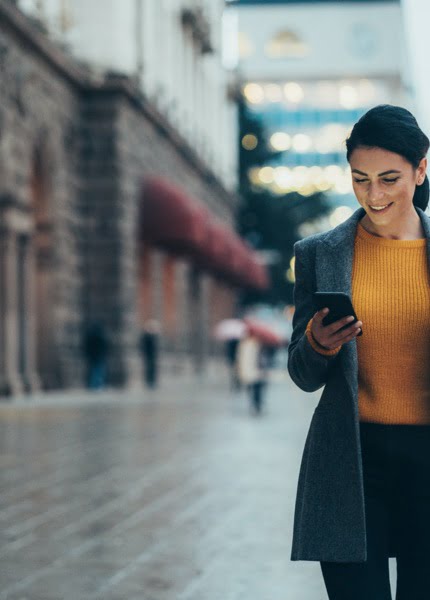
{"x": 230, "y": 329}
{"x": 264, "y": 332}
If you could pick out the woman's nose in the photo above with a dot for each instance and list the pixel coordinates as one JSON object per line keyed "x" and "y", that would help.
{"x": 375, "y": 193}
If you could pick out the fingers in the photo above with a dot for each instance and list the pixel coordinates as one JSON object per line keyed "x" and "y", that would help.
{"x": 338, "y": 329}
{"x": 319, "y": 316}
{"x": 333, "y": 327}
{"x": 333, "y": 335}
{"x": 347, "y": 334}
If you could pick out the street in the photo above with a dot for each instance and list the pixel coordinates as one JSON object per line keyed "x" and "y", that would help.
{"x": 178, "y": 494}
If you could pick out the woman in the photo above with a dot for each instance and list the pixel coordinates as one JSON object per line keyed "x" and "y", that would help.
{"x": 364, "y": 485}
{"x": 251, "y": 370}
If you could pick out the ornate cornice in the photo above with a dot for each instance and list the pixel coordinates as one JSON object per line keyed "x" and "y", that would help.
{"x": 196, "y": 20}
{"x": 87, "y": 83}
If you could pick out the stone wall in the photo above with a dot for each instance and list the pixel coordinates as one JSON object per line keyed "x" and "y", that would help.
{"x": 128, "y": 147}
{"x": 73, "y": 155}
{"x": 39, "y": 141}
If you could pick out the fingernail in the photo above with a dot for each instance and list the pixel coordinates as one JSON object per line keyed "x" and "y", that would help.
{"x": 325, "y": 310}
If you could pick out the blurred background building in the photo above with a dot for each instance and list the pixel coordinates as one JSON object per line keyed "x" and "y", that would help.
{"x": 159, "y": 158}
{"x": 117, "y": 190}
{"x": 307, "y": 71}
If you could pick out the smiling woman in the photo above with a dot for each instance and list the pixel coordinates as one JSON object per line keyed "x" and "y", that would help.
{"x": 365, "y": 476}
{"x": 387, "y": 154}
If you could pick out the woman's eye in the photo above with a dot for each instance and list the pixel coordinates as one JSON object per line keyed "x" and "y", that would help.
{"x": 384, "y": 180}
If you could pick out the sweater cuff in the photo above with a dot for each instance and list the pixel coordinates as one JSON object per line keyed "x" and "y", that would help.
{"x": 316, "y": 346}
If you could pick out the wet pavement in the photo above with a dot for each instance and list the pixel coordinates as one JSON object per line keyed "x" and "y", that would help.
{"x": 180, "y": 494}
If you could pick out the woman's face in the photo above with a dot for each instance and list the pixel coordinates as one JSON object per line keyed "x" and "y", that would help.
{"x": 386, "y": 181}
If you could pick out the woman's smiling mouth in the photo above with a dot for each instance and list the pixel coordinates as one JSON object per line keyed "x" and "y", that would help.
{"x": 380, "y": 209}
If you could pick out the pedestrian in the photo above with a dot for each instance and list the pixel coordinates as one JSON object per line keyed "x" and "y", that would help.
{"x": 95, "y": 350}
{"x": 251, "y": 371}
{"x": 364, "y": 486}
{"x": 231, "y": 347}
{"x": 149, "y": 347}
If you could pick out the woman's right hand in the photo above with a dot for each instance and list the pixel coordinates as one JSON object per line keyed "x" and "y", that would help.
{"x": 330, "y": 336}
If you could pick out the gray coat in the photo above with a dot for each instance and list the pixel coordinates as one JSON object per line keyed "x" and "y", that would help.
{"x": 329, "y": 522}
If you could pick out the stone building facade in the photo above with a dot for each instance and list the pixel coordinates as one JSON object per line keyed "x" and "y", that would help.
{"x": 74, "y": 153}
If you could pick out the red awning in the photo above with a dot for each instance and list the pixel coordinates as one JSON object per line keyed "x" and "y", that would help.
{"x": 171, "y": 219}
{"x": 216, "y": 253}
{"x": 236, "y": 263}
{"x": 174, "y": 221}
{"x": 249, "y": 272}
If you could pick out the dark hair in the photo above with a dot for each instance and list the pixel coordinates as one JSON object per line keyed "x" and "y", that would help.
{"x": 395, "y": 129}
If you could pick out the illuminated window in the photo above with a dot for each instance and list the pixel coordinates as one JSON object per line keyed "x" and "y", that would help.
{"x": 266, "y": 175}
{"x": 302, "y": 142}
{"x": 245, "y": 46}
{"x": 348, "y": 96}
{"x": 273, "y": 92}
{"x": 283, "y": 178}
{"x": 340, "y": 214}
{"x": 293, "y": 92}
{"x": 249, "y": 141}
{"x": 286, "y": 44}
{"x": 254, "y": 93}
{"x": 280, "y": 141}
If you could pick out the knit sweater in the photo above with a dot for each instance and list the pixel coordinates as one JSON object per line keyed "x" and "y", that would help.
{"x": 391, "y": 296}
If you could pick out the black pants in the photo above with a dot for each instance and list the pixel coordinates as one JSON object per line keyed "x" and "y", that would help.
{"x": 151, "y": 374}
{"x": 256, "y": 391}
{"x": 396, "y": 466}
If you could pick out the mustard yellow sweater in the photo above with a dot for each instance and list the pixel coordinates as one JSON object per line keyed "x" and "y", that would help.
{"x": 391, "y": 295}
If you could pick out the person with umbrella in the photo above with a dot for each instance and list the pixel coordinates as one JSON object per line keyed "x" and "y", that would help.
{"x": 250, "y": 371}
{"x": 253, "y": 360}
{"x": 230, "y": 331}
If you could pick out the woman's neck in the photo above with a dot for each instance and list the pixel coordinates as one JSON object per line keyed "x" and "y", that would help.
{"x": 408, "y": 229}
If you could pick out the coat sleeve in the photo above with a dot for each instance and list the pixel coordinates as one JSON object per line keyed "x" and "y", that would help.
{"x": 307, "y": 367}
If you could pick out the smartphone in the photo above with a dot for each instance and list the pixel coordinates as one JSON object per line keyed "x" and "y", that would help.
{"x": 339, "y": 304}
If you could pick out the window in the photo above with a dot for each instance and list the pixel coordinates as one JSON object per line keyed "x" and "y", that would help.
{"x": 286, "y": 44}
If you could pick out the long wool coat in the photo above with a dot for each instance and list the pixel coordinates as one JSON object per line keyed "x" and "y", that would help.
{"x": 329, "y": 522}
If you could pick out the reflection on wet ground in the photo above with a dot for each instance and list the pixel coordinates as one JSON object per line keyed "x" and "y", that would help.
{"x": 181, "y": 494}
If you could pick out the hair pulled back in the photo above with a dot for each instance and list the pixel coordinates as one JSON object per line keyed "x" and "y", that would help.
{"x": 395, "y": 129}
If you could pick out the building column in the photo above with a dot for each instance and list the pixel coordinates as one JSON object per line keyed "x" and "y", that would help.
{"x": 197, "y": 320}
{"x": 10, "y": 382}
{"x": 27, "y": 273}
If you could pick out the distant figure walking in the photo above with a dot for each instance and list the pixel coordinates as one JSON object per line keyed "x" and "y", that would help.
{"x": 231, "y": 347}
{"x": 149, "y": 347}
{"x": 251, "y": 371}
{"x": 95, "y": 350}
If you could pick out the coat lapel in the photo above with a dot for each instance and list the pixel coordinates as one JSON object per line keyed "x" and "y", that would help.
{"x": 425, "y": 221}
{"x": 334, "y": 274}
{"x": 335, "y": 256}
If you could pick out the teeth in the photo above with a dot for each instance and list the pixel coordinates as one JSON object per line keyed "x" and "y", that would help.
{"x": 379, "y": 207}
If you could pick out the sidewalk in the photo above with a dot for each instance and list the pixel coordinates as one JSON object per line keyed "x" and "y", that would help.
{"x": 216, "y": 375}
{"x": 178, "y": 494}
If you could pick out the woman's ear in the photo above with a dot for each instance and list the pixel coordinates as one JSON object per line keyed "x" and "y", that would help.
{"x": 421, "y": 171}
